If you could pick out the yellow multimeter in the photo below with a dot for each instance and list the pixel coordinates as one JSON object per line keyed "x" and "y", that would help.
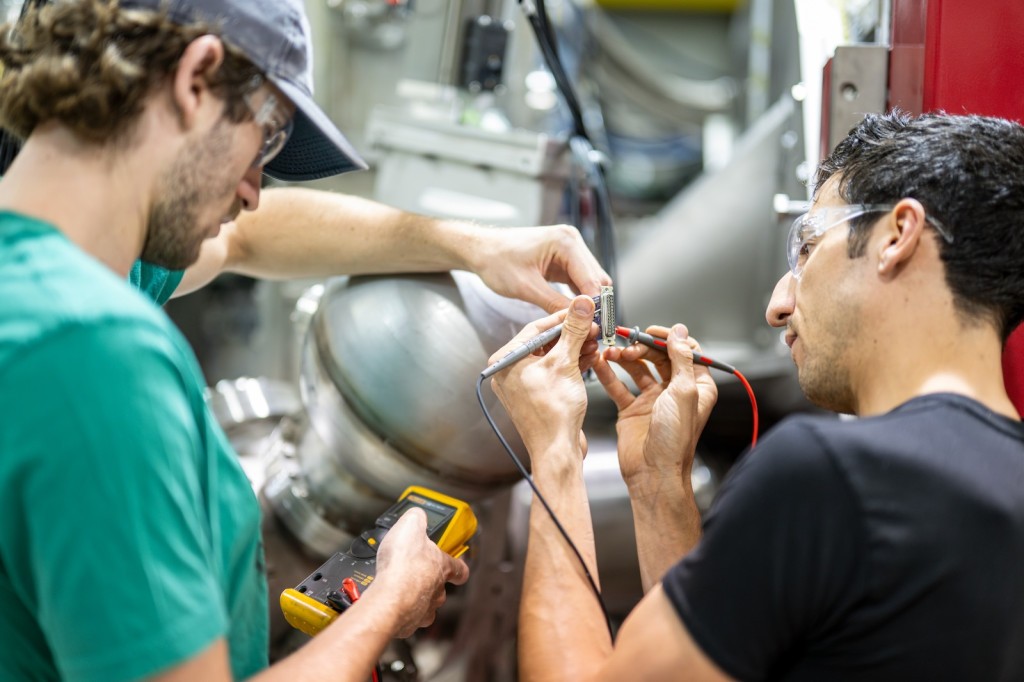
{"x": 315, "y": 602}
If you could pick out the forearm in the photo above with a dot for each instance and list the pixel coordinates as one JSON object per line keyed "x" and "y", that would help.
{"x": 326, "y": 234}
{"x": 562, "y": 631}
{"x": 346, "y": 651}
{"x": 666, "y": 522}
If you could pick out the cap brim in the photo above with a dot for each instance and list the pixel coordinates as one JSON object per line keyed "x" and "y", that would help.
{"x": 316, "y": 148}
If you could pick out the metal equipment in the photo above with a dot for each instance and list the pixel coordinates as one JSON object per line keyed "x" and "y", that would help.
{"x": 440, "y": 168}
{"x": 375, "y": 423}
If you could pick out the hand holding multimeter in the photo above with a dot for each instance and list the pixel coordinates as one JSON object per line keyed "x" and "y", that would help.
{"x": 334, "y": 587}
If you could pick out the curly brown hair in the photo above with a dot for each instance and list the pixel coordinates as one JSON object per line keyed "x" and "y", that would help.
{"x": 91, "y": 64}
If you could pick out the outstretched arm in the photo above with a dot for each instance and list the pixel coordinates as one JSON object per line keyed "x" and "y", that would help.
{"x": 547, "y": 400}
{"x": 312, "y": 233}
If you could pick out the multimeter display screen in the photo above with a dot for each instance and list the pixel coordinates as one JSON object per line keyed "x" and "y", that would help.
{"x": 434, "y": 517}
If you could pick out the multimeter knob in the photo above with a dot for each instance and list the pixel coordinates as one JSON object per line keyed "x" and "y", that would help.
{"x": 366, "y": 545}
{"x": 361, "y": 549}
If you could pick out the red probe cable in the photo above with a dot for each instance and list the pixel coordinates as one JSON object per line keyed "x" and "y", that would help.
{"x": 634, "y": 335}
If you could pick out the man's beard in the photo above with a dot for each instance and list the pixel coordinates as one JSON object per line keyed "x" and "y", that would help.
{"x": 826, "y": 374}
{"x": 827, "y": 385}
{"x": 191, "y": 184}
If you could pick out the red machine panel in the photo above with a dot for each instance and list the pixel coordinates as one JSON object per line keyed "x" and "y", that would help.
{"x": 960, "y": 56}
{"x": 963, "y": 56}
{"x": 974, "y": 54}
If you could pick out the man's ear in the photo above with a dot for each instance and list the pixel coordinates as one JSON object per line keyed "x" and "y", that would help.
{"x": 900, "y": 235}
{"x": 190, "y": 87}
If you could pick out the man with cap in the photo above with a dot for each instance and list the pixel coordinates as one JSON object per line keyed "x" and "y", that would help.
{"x": 129, "y": 535}
{"x": 297, "y": 232}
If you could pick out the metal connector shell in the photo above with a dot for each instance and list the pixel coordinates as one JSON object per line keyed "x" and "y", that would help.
{"x": 607, "y": 315}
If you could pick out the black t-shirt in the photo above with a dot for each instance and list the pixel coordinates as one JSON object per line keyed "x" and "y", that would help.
{"x": 885, "y": 548}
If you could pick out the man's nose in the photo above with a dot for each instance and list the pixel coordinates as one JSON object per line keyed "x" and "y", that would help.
{"x": 780, "y": 307}
{"x": 249, "y": 188}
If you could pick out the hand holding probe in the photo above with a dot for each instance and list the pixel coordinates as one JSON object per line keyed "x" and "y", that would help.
{"x": 634, "y": 335}
{"x": 517, "y": 354}
{"x": 604, "y": 316}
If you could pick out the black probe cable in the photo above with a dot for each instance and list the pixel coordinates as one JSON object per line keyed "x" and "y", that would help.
{"x": 551, "y": 513}
{"x": 580, "y": 142}
{"x": 536, "y": 15}
{"x": 585, "y": 156}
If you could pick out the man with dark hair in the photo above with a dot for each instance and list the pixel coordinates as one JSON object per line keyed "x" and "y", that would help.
{"x": 129, "y": 535}
{"x": 887, "y": 547}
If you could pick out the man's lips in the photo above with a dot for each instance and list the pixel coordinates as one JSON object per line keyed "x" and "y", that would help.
{"x": 790, "y": 338}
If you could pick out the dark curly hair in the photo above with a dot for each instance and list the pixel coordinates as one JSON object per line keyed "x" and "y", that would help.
{"x": 968, "y": 173}
{"x": 90, "y": 65}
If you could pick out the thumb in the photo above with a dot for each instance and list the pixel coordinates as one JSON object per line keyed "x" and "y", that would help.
{"x": 578, "y": 322}
{"x": 680, "y": 353}
{"x": 458, "y": 571}
{"x": 415, "y": 517}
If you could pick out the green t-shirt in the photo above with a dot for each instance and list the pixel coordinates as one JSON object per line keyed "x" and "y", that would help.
{"x": 156, "y": 282}
{"x": 129, "y": 535}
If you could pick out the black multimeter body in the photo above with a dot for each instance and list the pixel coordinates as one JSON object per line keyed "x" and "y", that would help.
{"x": 316, "y": 601}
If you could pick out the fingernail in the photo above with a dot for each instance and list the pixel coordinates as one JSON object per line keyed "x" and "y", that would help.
{"x": 579, "y": 305}
{"x": 679, "y": 331}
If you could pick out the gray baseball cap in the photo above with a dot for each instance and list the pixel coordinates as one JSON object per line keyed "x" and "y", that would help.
{"x": 275, "y": 36}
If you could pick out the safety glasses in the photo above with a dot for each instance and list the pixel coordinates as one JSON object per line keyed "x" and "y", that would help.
{"x": 277, "y": 127}
{"x": 809, "y": 228}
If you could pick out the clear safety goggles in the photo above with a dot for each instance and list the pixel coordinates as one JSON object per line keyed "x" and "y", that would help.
{"x": 277, "y": 128}
{"x": 809, "y": 228}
